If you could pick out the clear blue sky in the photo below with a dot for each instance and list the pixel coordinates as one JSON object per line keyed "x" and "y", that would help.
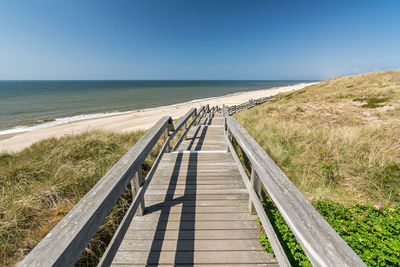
{"x": 197, "y": 39}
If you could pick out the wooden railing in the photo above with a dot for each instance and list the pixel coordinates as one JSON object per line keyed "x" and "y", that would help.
{"x": 322, "y": 245}
{"x": 236, "y": 108}
{"x": 68, "y": 239}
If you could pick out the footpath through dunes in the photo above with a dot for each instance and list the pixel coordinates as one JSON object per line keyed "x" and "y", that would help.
{"x": 196, "y": 206}
{"x": 196, "y": 209}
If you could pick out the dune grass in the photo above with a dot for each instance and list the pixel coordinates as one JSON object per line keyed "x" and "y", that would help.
{"x": 339, "y": 143}
{"x": 43, "y": 182}
{"x": 337, "y": 140}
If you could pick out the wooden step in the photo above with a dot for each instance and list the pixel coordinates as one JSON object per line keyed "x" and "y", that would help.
{"x": 185, "y": 245}
{"x": 189, "y": 208}
{"x": 190, "y": 257}
{"x": 190, "y": 214}
{"x": 198, "y": 203}
{"x": 156, "y": 186}
{"x": 197, "y": 197}
{"x": 173, "y": 234}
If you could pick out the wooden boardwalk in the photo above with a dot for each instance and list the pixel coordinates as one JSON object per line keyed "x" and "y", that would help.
{"x": 196, "y": 209}
{"x": 196, "y": 206}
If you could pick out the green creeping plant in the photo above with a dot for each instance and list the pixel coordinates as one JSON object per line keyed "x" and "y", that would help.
{"x": 372, "y": 231}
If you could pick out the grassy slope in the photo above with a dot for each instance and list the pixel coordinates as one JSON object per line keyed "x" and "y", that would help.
{"x": 336, "y": 140}
{"x": 42, "y": 183}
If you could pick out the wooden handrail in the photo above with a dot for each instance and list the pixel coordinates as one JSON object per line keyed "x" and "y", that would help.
{"x": 112, "y": 248}
{"x": 182, "y": 121}
{"x": 68, "y": 251}
{"x": 246, "y": 105}
{"x": 202, "y": 111}
{"x": 322, "y": 245}
{"x": 184, "y": 134}
{"x": 269, "y": 230}
{"x": 67, "y": 240}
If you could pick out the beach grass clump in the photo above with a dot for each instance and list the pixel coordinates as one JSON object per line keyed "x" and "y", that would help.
{"x": 372, "y": 102}
{"x": 337, "y": 140}
{"x": 42, "y": 183}
{"x": 372, "y": 231}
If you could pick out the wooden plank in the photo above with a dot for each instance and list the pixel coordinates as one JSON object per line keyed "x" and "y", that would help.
{"x": 194, "y": 171}
{"x": 189, "y": 214}
{"x": 196, "y": 257}
{"x": 195, "y": 163}
{"x": 197, "y": 203}
{"x": 197, "y": 197}
{"x": 195, "y": 179}
{"x": 197, "y": 192}
{"x": 196, "y": 186}
{"x": 321, "y": 243}
{"x": 194, "y": 225}
{"x": 197, "y": 168}
{"x": 196, "y": 245}
{"x": 271, "y": 264}
{"x": 134, "y": 234}
{"x": 183, "y": 181}
{"x": 186, "y": 146}
{"x": 172, "y": 209}
{"x": 199, "y": 157}
{"x": 66, "y": 241}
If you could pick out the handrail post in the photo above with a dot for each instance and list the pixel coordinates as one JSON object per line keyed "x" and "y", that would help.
{"x": 257, "y": 185}
{"x": 185, "y": 132}
{"x": 166, "y": 134}
{"x": 230, "y": 138}
{"x": 136, "y": 182}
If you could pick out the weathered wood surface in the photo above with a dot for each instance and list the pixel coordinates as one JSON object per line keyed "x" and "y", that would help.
{"x": 208, "y": 135}
{"x": 196, "y": 209}
{"x": 66, "y": 241}
{"x": 195, "y": 202}
{"x": 323, "y": 246}
{"x": 254, "y": 187}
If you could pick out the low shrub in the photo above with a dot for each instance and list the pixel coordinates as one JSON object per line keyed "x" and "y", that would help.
{"x": 373, "y": 232}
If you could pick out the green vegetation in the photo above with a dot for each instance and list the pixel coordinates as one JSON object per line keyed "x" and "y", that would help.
{"x": 337, "y": 140}
{"x": 372, "y": 102}
{"x": 339, "y": 143}
{"x": 371, "y": 231}
{"x": 43, "y": 182}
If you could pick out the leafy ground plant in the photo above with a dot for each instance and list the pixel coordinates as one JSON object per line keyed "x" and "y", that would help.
{"x": 372, "y": 231}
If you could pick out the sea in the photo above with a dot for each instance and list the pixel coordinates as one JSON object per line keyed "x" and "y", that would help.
{"x": 29, "y": 105}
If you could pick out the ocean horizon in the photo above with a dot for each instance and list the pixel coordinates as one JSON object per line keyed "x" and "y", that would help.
{"x": 31, "y": 104}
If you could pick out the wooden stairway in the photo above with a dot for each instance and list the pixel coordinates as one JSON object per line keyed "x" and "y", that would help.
{"x": 196, "y": 209}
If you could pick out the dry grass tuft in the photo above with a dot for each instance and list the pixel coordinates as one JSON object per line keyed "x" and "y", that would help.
{"x": 41, "y": 184}
{"x": 338, "y": 139}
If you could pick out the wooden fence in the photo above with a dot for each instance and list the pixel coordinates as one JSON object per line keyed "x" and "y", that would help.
{"x": 251, "y": 103}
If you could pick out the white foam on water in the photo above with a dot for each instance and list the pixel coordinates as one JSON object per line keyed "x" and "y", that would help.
{"x": 60, "y": 121}
{"x": 66, "y": 120}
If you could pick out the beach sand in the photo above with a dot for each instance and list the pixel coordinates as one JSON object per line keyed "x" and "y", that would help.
{"x": 138, "y": 120}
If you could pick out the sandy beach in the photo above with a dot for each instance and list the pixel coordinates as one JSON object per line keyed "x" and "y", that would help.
{"x": 137, "y": 120}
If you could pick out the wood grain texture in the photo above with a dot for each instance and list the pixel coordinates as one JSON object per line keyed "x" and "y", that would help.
{"x": 196, "y": 210}
{"x": 66, "y": 241}
{"x": 196, "y": 204}
{"x": 323, "y": 246}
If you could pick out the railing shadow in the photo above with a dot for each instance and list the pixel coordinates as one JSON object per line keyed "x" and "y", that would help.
{"x": 186, "y": 233}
